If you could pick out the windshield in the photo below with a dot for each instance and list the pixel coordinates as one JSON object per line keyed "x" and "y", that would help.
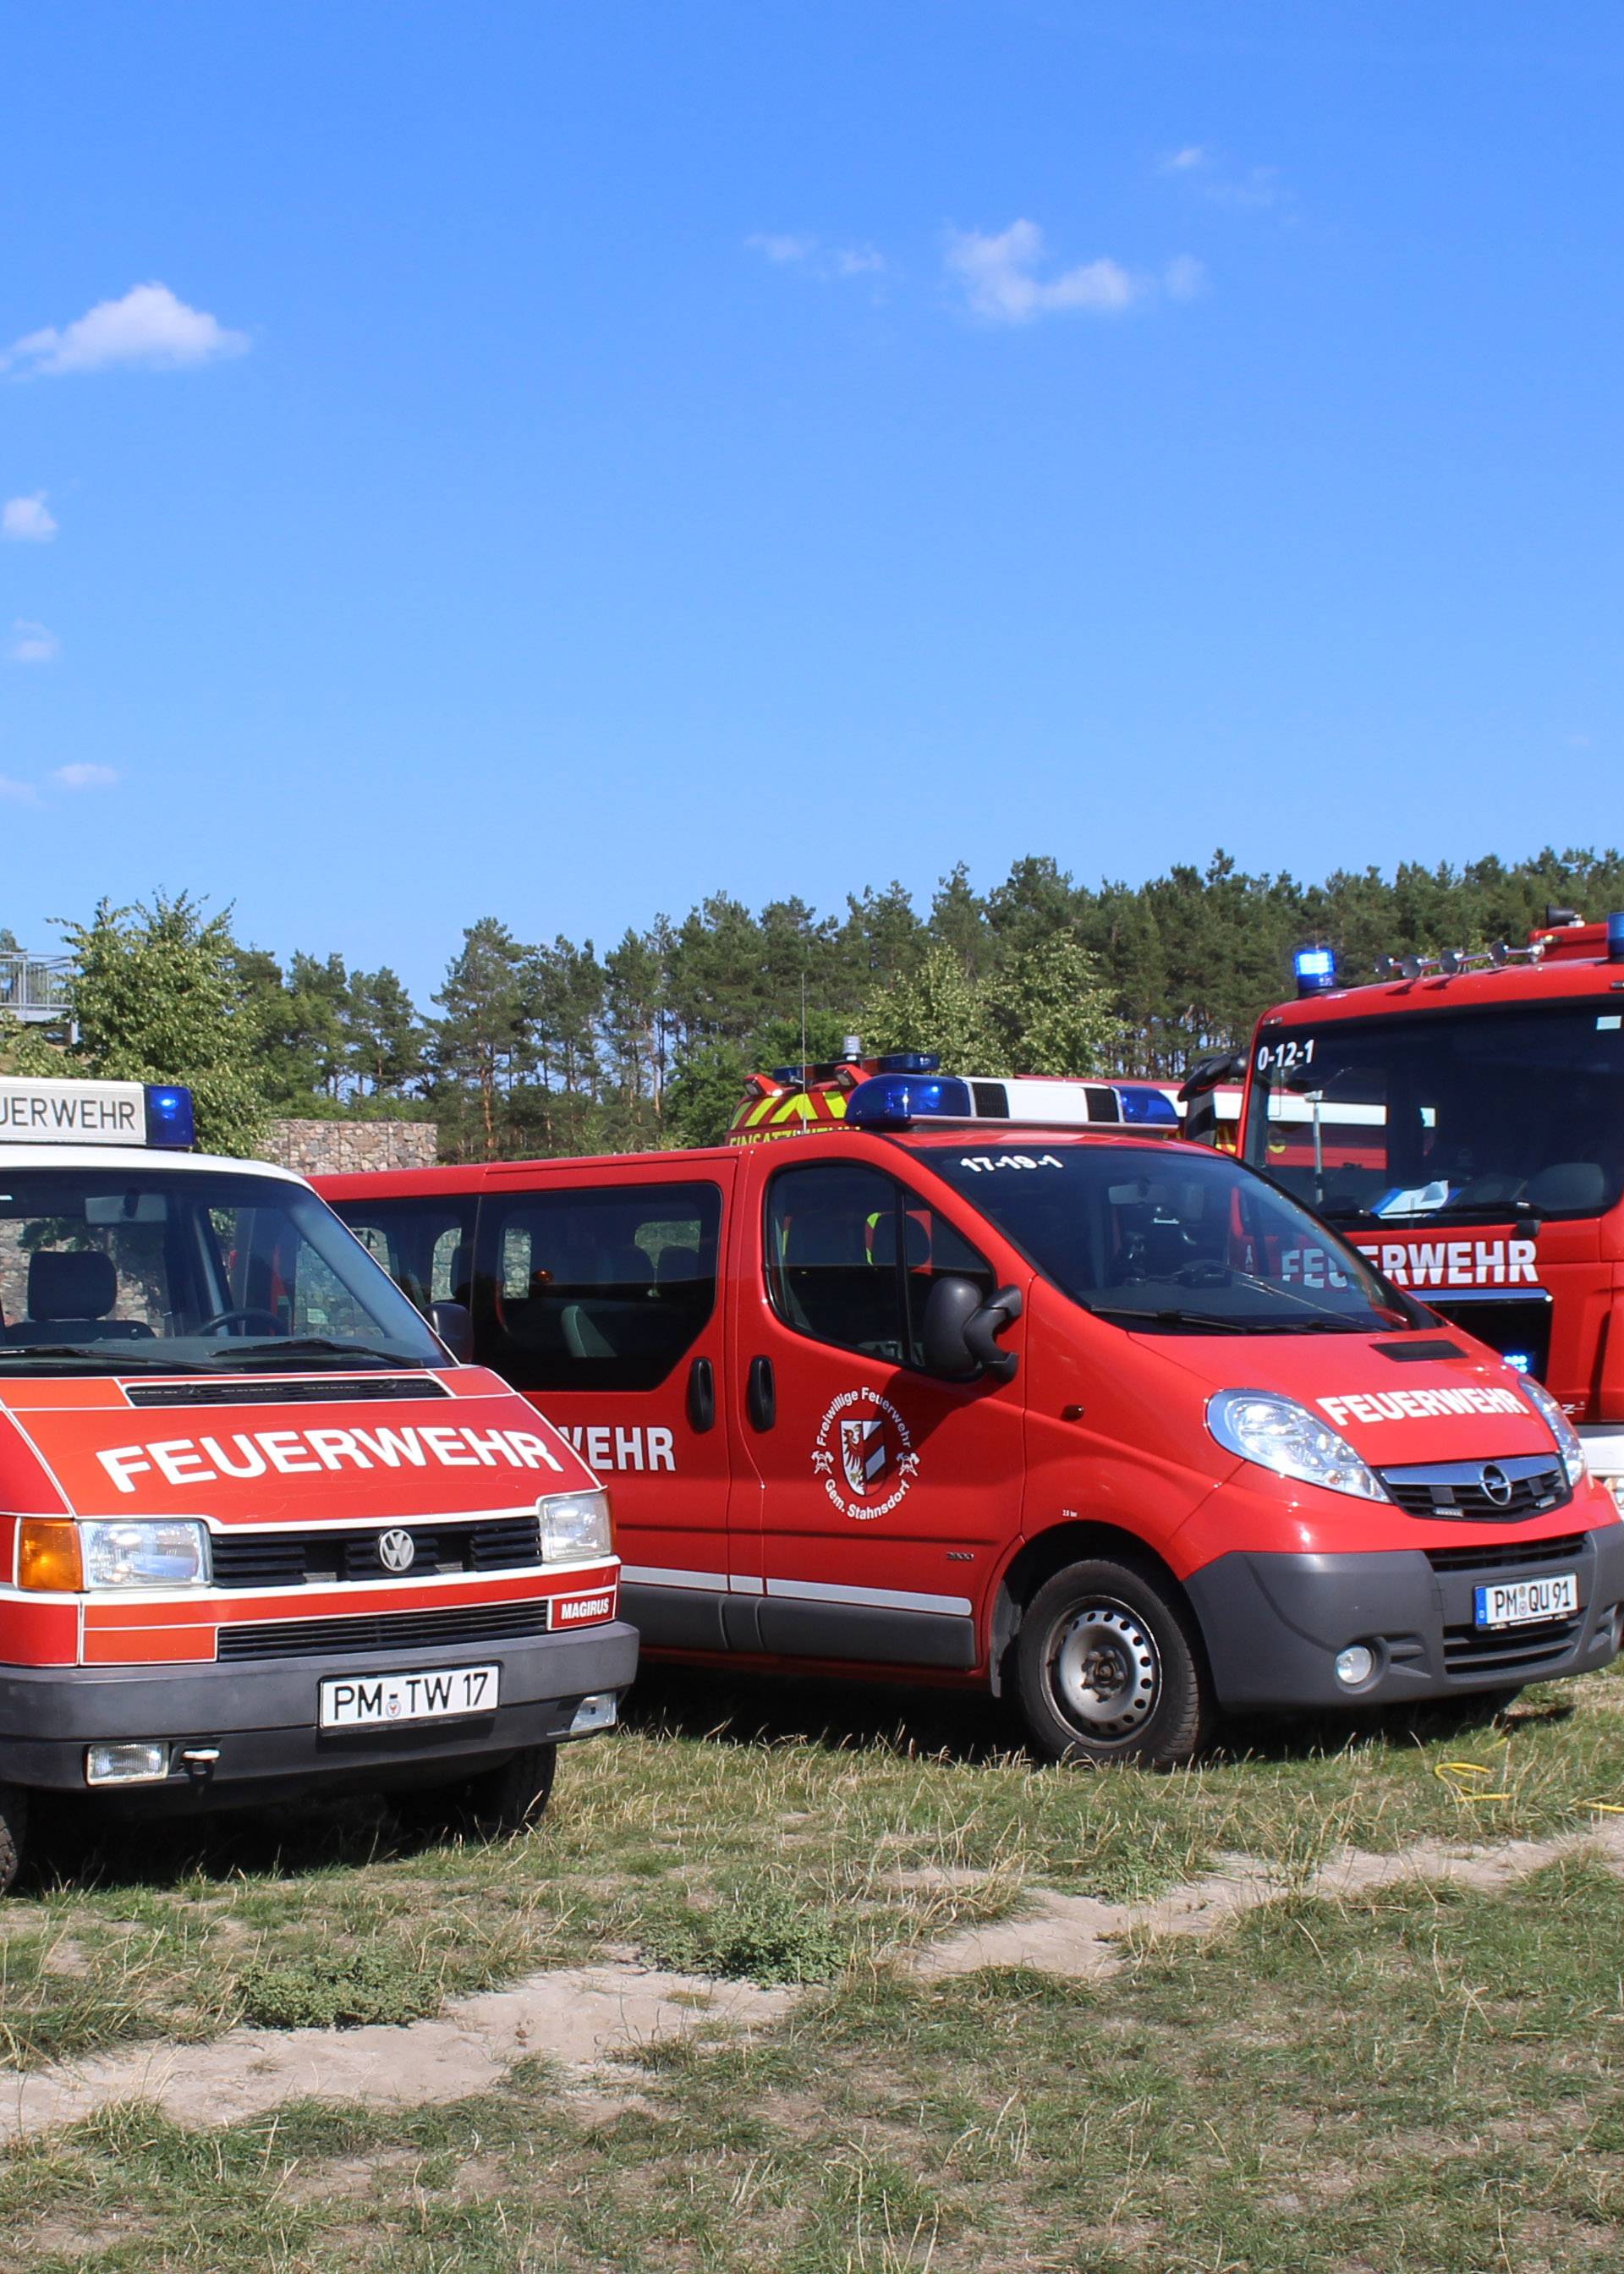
{"x": 180, "y": 1270}
{"x": 1181, "y": 1243}
{"x": 1464, "y": 1114}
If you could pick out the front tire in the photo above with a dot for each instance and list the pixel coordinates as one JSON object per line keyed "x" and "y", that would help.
{"x": 13, "y": 1832}
{"x": 1109, "y": 1667}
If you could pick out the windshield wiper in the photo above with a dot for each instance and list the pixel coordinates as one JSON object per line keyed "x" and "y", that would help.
{"x": 312, "y": 1346}
{"x": 1463, "y": 1212}
{"x": 97, "y": 1354}
{"x": 1205, "y": 1320}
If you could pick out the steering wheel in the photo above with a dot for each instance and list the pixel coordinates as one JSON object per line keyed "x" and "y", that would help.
{"x": 247, "y": 1316}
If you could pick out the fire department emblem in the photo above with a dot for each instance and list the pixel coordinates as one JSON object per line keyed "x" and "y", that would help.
{"x": 863, "y": 1455}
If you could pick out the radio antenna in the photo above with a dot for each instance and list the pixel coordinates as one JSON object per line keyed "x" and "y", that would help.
{"x": 803, "y": 1023}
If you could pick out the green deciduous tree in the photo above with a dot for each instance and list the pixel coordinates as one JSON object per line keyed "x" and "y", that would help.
{"x": 159, "y": 995}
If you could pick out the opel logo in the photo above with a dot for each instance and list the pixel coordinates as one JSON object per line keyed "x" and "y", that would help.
{"x": 1496, "y": 1484}
{"x": 397, "y": 1550}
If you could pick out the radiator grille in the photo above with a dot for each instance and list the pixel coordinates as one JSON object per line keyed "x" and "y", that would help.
{"x": 395, "y": 1631}
{"x": 327, "y": 1553}
{"x": 1463, "y": 1502}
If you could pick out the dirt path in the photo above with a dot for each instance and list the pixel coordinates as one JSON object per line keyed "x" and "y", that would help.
{"x": 585, "y": 2020}
{"x": 1079, "y": 1937}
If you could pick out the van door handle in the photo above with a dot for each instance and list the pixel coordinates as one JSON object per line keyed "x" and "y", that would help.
{"x": 761, "y": 1398}
{"x": 701, "y": 1397}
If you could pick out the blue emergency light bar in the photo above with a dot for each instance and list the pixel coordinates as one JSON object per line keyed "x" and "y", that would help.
{"x": 1315, "y": 969}
{"x": 1144, "y": 1103}
{"x": 891, "y": 1101}
{"x": 1615, "y": 939}
{"x": 909, "y": 1062}
{"x": 170, "y": 1121}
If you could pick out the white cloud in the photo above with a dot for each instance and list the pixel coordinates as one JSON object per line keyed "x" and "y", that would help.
{"x": 1255, "y": 191}
{"x": 781, "y": 248}
{"x": 1251, "y": 189}
{"x": 16, "y": 792}
{"x": 817, "y": 258}
{"x": 999, "y": 278}
{"x": 27, "y": 520}
{"x": 32, "y": 643}
{"x": 84, "y": 776}
{"x": 149, "y": 328}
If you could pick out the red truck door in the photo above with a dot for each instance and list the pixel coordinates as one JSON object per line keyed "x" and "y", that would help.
{"x": 876, "y": 1497}
{"x": 596, "y": 1295}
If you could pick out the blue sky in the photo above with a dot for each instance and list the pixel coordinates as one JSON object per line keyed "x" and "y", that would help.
{"x": 582, "y": 457}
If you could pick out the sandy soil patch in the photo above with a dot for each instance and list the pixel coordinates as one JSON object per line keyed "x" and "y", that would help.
{"x": 1083, "y": 1939}
{"x": 580, "y": 2018}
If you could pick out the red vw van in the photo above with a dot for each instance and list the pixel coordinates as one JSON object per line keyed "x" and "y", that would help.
{"x": 259, "y": 1534}
{"x": 1088, "y": 1415}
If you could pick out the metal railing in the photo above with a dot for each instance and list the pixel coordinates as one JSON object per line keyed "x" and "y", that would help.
{"x": 37, "y": 988}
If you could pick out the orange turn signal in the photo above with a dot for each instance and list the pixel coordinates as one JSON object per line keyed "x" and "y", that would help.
{"x": 48, "y": 1556}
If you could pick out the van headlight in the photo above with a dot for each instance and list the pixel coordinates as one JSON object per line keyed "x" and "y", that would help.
{"x": 135, "y": 1552}
{"x": 1567, "y": 1441}
{"x": 573, "y": 1525}
{"x": 1278, "y": 1433}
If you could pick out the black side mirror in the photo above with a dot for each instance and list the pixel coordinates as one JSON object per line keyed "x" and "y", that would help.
{"x": 960, "y": 1331}
{"x": 454, "y": 1323}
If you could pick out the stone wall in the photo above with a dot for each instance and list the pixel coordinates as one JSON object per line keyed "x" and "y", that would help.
{"x": 342, "y": 1148}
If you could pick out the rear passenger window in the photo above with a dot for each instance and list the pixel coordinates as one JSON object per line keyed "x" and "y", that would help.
{"x": 852, "y": 1256}
{"x": 596, "y": 1287}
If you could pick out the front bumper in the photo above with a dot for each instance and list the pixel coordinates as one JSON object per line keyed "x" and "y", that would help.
{"x": 263, "y": 1718}
{"x": 1274, "y": 1624}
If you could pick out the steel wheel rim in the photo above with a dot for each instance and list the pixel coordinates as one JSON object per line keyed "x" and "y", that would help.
{"x": 1105, "y": 1671}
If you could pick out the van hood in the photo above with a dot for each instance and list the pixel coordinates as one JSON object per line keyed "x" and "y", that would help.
{"x": 307, "y": 1448}
{"x": 1394, "y": 1410}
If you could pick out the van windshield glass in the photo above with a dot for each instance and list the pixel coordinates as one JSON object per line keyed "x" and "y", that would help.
{"x": 1179, "y": 1243}
{"x": 180, "y": 1270}
{"x": 1467, "y": 1115}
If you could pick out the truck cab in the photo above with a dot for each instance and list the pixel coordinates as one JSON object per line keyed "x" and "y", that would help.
{"x": 260, "y": 1535}
{"x": 1075, "y": 1412}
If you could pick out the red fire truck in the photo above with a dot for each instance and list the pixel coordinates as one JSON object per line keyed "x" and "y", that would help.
{"x": 1079, "y": 1412}
{"x": 259, "y": 1534}
{"x": 1461, "y": 1121}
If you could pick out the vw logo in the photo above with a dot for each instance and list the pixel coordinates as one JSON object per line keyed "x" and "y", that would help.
{"x": 1496, "y": 1484}
{"x": 397, "y": 1550}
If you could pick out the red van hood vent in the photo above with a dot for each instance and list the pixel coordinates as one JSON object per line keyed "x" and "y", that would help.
{"x": 1414, "y": 1353}
{"x": 277, "y": 1390}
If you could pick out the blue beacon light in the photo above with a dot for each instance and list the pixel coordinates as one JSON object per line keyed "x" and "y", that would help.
{"x": 1315, "y": 969}
{"x": 170, "y": 1121}
{"x": 891, "y": 1101}
{"x": 1147, "y": 1104}
{"x": 1615, "y": 939}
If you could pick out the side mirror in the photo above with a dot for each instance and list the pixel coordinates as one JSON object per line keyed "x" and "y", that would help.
{"x": 454, "y": 1323}
{"x": 960, "y": 1331}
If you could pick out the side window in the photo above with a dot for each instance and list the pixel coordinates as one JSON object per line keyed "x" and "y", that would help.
{"x": 596, "y": 1287}
{"x": 852, "y": 1255}
{"x": 425, "y": 1245}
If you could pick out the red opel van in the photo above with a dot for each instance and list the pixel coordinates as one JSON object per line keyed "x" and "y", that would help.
{"x": 1089, "y": 1416}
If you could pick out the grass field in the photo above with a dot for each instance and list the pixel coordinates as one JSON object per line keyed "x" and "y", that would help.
{"x": 1425, "y": 2077}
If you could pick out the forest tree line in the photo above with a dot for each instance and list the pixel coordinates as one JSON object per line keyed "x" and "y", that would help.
{"x": 536, "y": 1047}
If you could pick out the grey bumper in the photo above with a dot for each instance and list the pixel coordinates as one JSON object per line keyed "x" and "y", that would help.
{"x": 1274, "y": 1624}
{"x": 262, "y": 1718}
